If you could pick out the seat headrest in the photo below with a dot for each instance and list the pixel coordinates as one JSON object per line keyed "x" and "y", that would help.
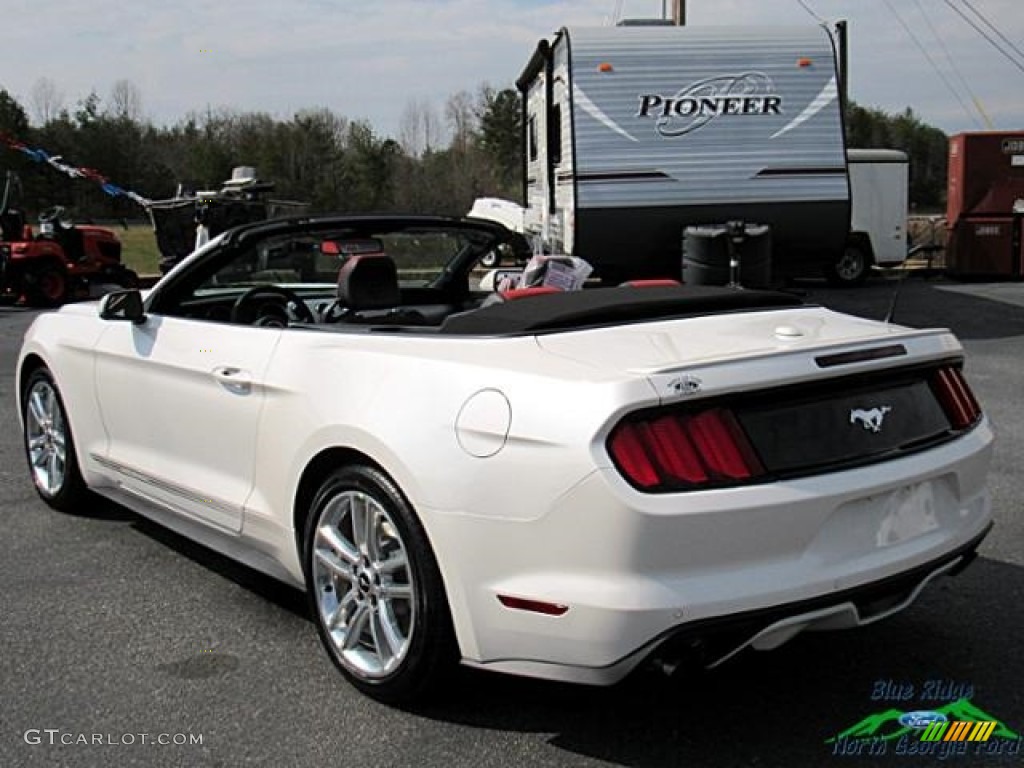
{"x": 369, "y": 281}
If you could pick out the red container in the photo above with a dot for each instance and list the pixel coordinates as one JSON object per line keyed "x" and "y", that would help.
{"x": 986, "y": 179}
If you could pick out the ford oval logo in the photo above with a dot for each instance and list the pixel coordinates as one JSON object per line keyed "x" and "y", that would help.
{"x": 921, "y": 718}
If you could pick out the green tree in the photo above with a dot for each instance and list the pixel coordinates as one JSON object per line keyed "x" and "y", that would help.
{"x": 13, "y": 123}
{"x": 925, "y": 145}
{"x": 316, "y": 156}
{"x": 13, "y": 119}
{"x": 501, "y": 127}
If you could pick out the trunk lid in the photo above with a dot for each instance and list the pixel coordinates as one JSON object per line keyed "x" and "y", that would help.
{"x": 707, "y": 355}
{"x": 793, "y": 392}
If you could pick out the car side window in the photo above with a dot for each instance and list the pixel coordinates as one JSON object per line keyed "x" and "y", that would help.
{"x": 263, "y": 264}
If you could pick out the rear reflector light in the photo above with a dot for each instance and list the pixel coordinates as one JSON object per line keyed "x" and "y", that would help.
{"x": 534, "y": 606}
{"x": 683, "y": 451}
{"x": 956, "y": 398}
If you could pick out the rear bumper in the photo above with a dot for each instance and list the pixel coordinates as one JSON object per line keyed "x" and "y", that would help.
{"x": 716, "y": 640}
{"x": 710, "y": 642}
{"x": 715, "y": 570}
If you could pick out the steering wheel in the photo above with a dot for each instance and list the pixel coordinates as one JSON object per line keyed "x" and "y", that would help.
{"x": 56, "y": 213}
{"x": 53, "y": 221}
{"x": 270, "y": 306}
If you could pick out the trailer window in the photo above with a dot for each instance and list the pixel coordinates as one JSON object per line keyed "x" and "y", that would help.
{"x": 555, "y": 146}
{"x": 533, "y": 138}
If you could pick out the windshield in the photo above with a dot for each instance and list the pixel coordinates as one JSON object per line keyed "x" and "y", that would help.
{"x": 304, "y": 258}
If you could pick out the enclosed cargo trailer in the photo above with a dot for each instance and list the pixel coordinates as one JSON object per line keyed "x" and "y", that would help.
{"x": 879, "y": 181}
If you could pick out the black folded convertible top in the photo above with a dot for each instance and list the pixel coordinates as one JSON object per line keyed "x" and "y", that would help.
{"x": 608, "y": 306}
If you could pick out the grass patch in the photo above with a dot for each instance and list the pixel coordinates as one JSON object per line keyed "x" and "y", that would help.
{"x": 138, "y": 248}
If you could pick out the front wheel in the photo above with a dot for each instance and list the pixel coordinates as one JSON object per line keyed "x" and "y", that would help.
{"x": 49, "y": 446}
{"x": 851, "y": 268}
{"x": 375, "y": 588}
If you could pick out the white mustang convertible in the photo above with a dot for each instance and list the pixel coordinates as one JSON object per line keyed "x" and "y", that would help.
{"x": 560, "y": 484}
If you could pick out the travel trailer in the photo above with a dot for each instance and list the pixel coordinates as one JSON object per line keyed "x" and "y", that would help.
{"x": 634, "y": 133}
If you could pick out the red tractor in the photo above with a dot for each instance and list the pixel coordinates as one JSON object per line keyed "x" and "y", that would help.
{"x": 59, "y": 263}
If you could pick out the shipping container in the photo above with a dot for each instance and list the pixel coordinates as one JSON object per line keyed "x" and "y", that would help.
{"x": 985, "y": 204}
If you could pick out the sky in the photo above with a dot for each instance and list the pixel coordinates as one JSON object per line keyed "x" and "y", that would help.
{"x": 370, "y": 59}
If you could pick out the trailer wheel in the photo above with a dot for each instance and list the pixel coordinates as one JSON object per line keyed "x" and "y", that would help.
{"x": 851, "y": 268}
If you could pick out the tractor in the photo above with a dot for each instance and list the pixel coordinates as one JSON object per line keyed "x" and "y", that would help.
{"x": 59, "y": 263}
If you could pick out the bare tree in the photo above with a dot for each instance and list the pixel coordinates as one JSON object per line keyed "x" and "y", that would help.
{"x": 419, "y": 130}
{"x": 460, "y": 111}
{"x": 47, "y": 100}
{"x": 125, "y": 100}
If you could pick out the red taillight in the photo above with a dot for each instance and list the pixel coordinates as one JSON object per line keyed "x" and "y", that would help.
{"x": 627, "y": 447}
{"x": 721, "y": 443}
{"x": 682, "y": 451}
{"x": 956, "y": 398}
{"x": 676, "y": 452}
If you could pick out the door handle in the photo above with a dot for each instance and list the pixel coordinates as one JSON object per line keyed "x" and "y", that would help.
{"x": 233, "y": 379}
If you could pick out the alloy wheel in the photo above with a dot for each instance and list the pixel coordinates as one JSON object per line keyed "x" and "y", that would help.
{"x": 363, "y": 584}
{"x": 46, "y": 438}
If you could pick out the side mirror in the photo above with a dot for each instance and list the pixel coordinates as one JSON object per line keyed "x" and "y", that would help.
{"x": 123, "y": 305}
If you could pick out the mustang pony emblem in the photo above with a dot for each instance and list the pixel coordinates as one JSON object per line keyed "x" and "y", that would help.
{"x": 870, "y": 420}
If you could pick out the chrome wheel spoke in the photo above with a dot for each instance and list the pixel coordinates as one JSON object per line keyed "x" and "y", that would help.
{"x": 342, "y": 548}
{"x": 396, "y": 591}
{"x": 37, "y": 409}
{"x": 337, "y": 619}
{"x": 51, "y": 471}
{"x": 356, "y": 626}
{"x": 392, "y": 564}
{"x": 359, "y": 515}
{"x": 386, "y": 628}
{"x": 373, "y": 533}
{"x": 334, "y": 564}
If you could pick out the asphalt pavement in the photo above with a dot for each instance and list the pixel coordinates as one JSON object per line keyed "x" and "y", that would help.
{"x": 116, "y": 635}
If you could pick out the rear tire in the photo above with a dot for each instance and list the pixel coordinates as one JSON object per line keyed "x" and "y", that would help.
{"x": 49, "y": 445}
{"x": 46, "y": 286}
{"x": 374, "y": 588}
